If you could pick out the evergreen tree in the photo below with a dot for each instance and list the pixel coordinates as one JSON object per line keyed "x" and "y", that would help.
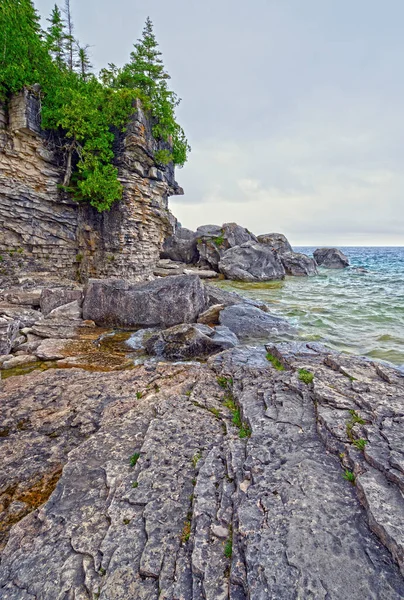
{"x": 56, "y": 37}
{"x": 69, "y": 37}
{"x": 83, "y": 63}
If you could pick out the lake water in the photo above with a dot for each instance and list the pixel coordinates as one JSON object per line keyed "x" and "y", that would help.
{"x": 348, "y": 310}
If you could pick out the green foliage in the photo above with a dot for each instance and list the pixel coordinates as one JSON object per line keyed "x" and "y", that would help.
{"x": 275, "y": 362}
{"x": 218, "y": 241}
{"x": 306, "y": 376}
{"x": 139, "y": 395}
{"x": 84, "y": 110}
{"x": 134, "y": 458}
{"x": 186, "y": 532}
{"x": 135, "y": 484}
{"x": 228, "y": 549}
{"x": 196, "y": 458}
{"x": 356, "y": 418}
{"x": 349, "y": 476}
{"x": 360, "y": 444}
{"x": 225, "y": 382}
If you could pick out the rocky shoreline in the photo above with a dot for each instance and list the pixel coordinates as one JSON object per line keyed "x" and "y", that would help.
{"x": 190, "y": 456}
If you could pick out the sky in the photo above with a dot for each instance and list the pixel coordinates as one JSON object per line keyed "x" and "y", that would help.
{"x": 294, "y": 109}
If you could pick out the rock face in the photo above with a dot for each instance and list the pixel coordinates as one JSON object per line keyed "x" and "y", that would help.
{"x": 181, "y": 246}
{"x": 213, "y": 241}
{"x": 331, "y": 258}
{"x": 43, "y": 229}
{"x": 298, "y": 264}
{"x": 168, "y": 301}
{"x": 52, "y": 298}
{"x": 215, "y": 481}
{"x": 253, "y": 323}
{"x": 251, "y": 262}
{"x": 277, "y": 241}
{"x": 8, "y": 333}
{"x": 184, "y": 341}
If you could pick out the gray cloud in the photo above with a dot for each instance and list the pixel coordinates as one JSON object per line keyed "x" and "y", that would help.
{"x": 294, "y": 110}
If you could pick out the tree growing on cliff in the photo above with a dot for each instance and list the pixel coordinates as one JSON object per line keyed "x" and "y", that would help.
{"x": 69, "y": 37}
{"x": 83, "y": 62}
{"x": 56, "y": 37}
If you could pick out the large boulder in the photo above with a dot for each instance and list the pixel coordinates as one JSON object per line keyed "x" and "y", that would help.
{"x": 216, "y": 295}
{"x": 52, "y": 298}
{"x": 24, "y": 314}
{"x": 163, "y": 302}
{"x": 331, "y": 258}
{"x": 186, "y": 341}
{"x": 251, "y": 322}
{"x": 213, "y": 241}
{"x": 277, "y": 241}
{"x": 181, "y": 246}
{"x": 9, "y": 328}
{"x": 298, "y": 264}
{"x": 251, "y": 262}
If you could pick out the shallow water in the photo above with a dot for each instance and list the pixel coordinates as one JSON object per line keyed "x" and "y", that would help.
{"x": 353, "y": 311}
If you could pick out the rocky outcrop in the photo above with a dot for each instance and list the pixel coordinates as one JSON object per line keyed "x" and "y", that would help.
{"x": 165, "y": 302}
{"x": 331, "y": 258}
{"x": 250, "y": 322}
{"x": 41, "y": 228}
{"x": 183, "y": 342}
{"x": 298, "y": 264}
{"x": 181, "y": 246}
{"x": 219, "y": 480}
{"x": 213, "y": 241}
{"x": 251, "y": 261}
{"x": 277, "y": 241}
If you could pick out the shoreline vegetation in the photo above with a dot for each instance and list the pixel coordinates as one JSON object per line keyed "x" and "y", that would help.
{"x": 83, "y": 110}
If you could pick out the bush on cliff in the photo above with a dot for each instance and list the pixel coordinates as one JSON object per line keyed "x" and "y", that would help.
{"x": 81, "y": 107}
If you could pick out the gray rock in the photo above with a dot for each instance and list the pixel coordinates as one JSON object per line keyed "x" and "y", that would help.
{"x": 251, "y": 262}
{"x": 62, "y": 328}
{"x": 181, "y": 246}
{"x": 251, "y": 322}
{"x": 25, "y": 315}
{"x": 277, "y": 241}
{"x": 298, "y": 264}
{"x": 187, "y": 341}
{"x": 19, "y": 361}
{"x": 51, "y": 349}
{"x": 51, "y": 298}
{"x": 23, "y": 297}
{"x": 66, "y": 311}
{"x": 331, "y": 258}
{"x": 213, "y": 241}
{"x": 217, "y": 295}
{"x": 8, "y": 333}
{"x": 211, "y": 315}
{"x": 163, "y": 302}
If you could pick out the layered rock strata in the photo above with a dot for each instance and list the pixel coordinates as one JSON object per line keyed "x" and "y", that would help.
{"x": 42, "y": 228}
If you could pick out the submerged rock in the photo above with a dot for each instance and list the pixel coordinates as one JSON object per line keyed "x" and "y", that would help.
{"x": 251, "y": 262}
{"x": 163, "y": 302}
{"x": 185, "y": 341}
{"x": 331, "y": 258}
{"x": 251, "y": 322}
{"x": 298, "y": 264}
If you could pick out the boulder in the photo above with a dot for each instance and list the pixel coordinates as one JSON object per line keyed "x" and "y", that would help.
{"x": 187, "y": 341}
{"x": 164, "y": 302}
{"x": 23, "y": 297}
{"x": 277, "y": 241}
{"x": 181, "y": 246}
{"x": 51, "y": 298}
{"x": 216, "y": 295}
{"x": 251, "y": 322}
{"x": 25, "y": 315}
{"x": 298, "y": 264}
{"x": 66, "y": 311}
{"x": 213, "y": 241}
{"x": 62, "y": 328}
{"x": 19, "y": 361}
{"x": 51, "y": 349}
{"x": 331, "y": 258}
{"x": 211, "y": 315}
{"x": 251, "y": 262}
{"x": 8, "y": 333}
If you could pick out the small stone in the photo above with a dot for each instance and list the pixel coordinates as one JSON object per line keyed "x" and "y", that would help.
{"x": 220, "y": 532}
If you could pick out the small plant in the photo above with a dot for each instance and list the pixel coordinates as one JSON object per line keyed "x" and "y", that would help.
{"x": 193, "y": 481}
{"x": 360, "y": 444}
{"x": 163, "y": 157}
{"x": 188, "y": 393}
{"x": 126, "y": 521}
{"x": 349, "y": 476}
{"x": 79, "y": 257}
{"x": 215, "y": 412}
{"x": 225, "y": 382}
{"x": 275, "y": 362}
{"x": 139, "y": 395}
{"x": 237, "y": 418}
{"x": 186, "y": 532}
{"x": 228, "y": 549}
{"x": 356, "y": 418}
{"x": 102, "y": 571}
{"x": 135, "y": 484}
{"x": 306, "y": 376}
{"x": 218, "y": 241}
{"x": 245, "y": 431}
{"x": 196, "y": 458}
{"x": 229, "y": 403}
{"x": 1, "y": 258}
{"x": 20, "y": 251}
{"x": 134, "y": 458}
{"x": 110, "y": 258}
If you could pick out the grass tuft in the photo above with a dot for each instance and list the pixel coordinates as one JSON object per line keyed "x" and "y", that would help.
{"x": 134, "y": 458}
{"x": 275, "y": 362}
{"x": 360, "y": 444}
{"x": 349, "y": 476}
{"x": 306, "y": 376}
{"x": 228, "y": 549}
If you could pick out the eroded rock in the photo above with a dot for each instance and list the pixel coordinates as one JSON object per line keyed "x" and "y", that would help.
{"x": 331, "y": 258}
{"x": 251, "y": 262}
{"x": 251, "y": 322}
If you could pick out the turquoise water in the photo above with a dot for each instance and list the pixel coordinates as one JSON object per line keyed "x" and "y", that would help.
{"x": 353, "y": 311}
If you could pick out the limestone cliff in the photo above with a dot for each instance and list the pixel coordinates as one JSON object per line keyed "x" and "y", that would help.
{"x": 45, "y": 229}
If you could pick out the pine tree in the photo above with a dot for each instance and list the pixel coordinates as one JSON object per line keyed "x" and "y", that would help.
{"x": 56, "y": 36}
{"x": 83, "y": 63}
{"x": 69, "y": 37}
{"x": 146, "y": 69}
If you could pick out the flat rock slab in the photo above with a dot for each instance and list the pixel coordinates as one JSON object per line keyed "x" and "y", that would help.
{"x": 210, "y": 481}
{"x": 250, "y": 322}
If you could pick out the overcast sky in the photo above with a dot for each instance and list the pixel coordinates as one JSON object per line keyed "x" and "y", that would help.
{"x": 294, "y": 109}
